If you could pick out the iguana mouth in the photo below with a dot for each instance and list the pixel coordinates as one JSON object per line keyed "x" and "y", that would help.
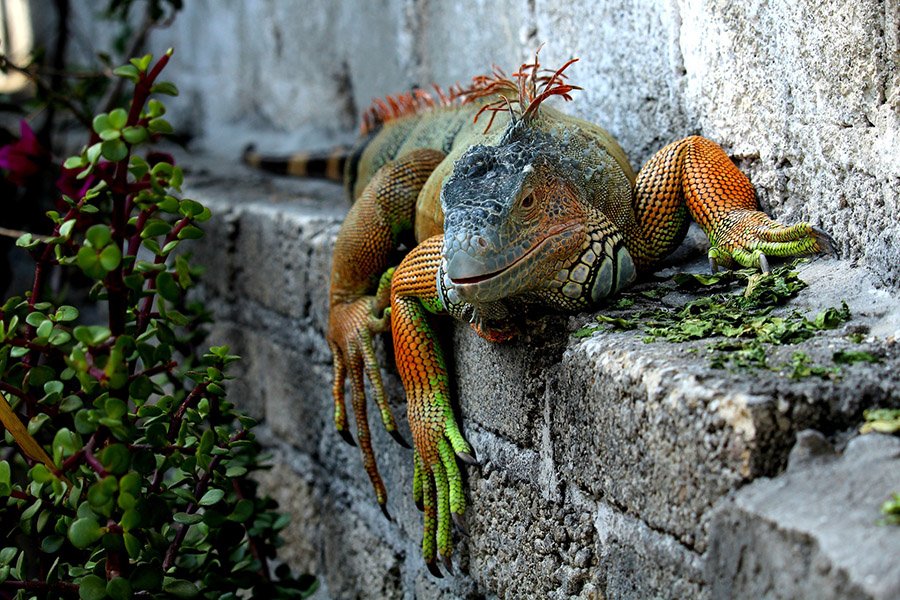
{"x": 553, "y": 232}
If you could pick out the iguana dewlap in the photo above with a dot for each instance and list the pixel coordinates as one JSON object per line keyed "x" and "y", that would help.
{"x": 540, "y": 211}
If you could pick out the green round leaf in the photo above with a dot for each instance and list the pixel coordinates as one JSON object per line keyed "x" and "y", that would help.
{"x": 74, "y": 162}
{"x": 52, "y": 543}
{"x": 211, "y": 497}
{"x": 93, "y": 153}
{"x": 66, "y": 313}
{"x": 115, "y": 458}
{"x": 165, "y": 87}
{"x": 89, "y": 262}
{"x": 181, "y": 588}
{"x": 101, "y": 123}
{"x": 40, "y": 473}
{"x": 118, "y": 118}
{"x": 35, "y": 319}
{"x": 128, "y": 72}
{"x": 84, "y": 532}
{"x": 92, "y": 335}
{"x": 114, "y": 150}
{"x": 155, "y": 227}
{"x": 187, "y": 518}
{"x": 110, "y": 134}
{"x": 135, "y": 135}
{"x": 98, "y": 235}
{"x": 131, "y": 518}
{"x": 130, "y": 483}
{"x": 118, "y": 588}
{"x": 167, "y": 287}
{"x": 159, "y": 125}
{"x": 132, "y": 545}
{"x": 110, "y": 257}
{"x": 91, "y": 587}
{"x": 190, "y": 233}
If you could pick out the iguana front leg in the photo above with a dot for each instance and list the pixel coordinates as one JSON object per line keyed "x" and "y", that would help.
{"x": 437, "y": 482}
{"x": 368, "y": 237}
{"x": 695, "y": 175}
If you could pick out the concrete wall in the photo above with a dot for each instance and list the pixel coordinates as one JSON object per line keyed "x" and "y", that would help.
{"x": 803, "y": 95}
{"x": 608, "y": 467}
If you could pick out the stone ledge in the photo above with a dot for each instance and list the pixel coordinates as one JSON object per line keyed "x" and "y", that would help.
{"x": 818, "y": 523}
{"x": 602, "y": 460}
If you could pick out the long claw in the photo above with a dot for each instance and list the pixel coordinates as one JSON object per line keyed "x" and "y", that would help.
{"x": 448, "y": 564}
{"x": 433, "y": 569}
{"x": 467, "y": 458}
{"x": 399, "y": 439}
{"x": 764, "y": 264}
{"x": 460, "y": 523}
{"x": 713, "y": 265}
{"x": 347, "y": 437}
{"x": 385, "y": 512}
{"x": 825, "y": 241}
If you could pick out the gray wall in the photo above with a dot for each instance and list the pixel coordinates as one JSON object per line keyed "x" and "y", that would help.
{"x": 609, "y": 467}
{"x": 804, "y": 95}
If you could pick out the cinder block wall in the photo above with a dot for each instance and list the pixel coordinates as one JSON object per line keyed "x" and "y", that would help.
{"x": 804, "y": 95}
{"x": 608, "y": 467}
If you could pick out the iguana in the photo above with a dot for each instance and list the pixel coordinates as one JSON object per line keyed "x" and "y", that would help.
{"x": 536, "y": 210}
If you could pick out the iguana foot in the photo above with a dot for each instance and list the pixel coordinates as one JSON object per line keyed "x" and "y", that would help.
{"x": 352, "y": 326}
{"x": 748, "y": 237}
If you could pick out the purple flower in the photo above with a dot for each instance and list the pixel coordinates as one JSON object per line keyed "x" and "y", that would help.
{"x": 22, "y": 158}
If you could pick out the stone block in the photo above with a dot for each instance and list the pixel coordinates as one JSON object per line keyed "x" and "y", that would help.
{"x": 813, "y": 532}
{"x": 655, "y": 430}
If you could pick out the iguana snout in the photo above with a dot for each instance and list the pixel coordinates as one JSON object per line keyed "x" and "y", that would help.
{"x": 510, "y": 214}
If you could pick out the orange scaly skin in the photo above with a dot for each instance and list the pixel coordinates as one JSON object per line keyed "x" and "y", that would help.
{"x": 544, "y": 211}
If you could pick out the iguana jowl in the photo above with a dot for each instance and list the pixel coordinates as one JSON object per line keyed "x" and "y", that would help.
{"x": 539, "y": 210}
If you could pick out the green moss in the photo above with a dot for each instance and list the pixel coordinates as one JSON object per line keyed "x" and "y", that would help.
{"x": 742, "y": 323}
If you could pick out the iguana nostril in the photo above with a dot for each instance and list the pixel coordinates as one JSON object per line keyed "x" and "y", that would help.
{"x": 481, "y": 242}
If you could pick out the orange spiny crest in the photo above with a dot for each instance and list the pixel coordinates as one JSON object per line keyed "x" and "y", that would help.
{"x": 412, "y": 102}
{"x": 528, "y": 88}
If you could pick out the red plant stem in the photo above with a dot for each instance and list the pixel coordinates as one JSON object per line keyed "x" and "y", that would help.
{"x": 46, "y": 259}
{"x": 91, "y": 460}
{"x": 144, "y": 314}
{"x": 117, "y": 292}
{"x": 32, "y": 346}
{"x": 11, "y": 389}
{"x": 56, "y": 586}
{"x": 135, "y": 241}
{"x": 192, "y": 398}
{"x": 154, "y": 370}
{"x": 199, "y": 490}
{"x": 251, "y": 542}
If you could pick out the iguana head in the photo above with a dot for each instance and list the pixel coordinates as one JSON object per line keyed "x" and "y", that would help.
{"x": 514, "y": 215}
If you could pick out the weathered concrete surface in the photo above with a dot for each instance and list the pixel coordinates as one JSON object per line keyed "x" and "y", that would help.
{"x": 804, "y": 95}
{"x": 603, "y": 461}
{"x": 818, "y": 524}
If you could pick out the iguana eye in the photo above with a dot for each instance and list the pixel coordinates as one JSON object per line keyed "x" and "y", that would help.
{"x": 528, "y": 201}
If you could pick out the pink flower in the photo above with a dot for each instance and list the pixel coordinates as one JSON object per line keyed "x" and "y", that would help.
{"x": 73, "y": 187}
{"x": 22, "y": 158}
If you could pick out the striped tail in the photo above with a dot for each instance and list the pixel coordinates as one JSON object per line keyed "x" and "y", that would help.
{"x": 321, "y": 165}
